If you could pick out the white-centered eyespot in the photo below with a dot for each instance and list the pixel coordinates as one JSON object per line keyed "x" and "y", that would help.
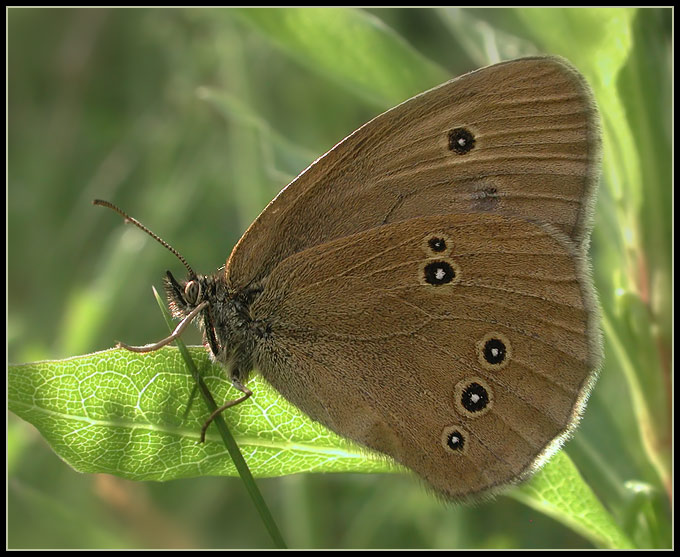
{"x": 473, "y": 397}
{"x": 439, "y": 272}
{"x": 454, "y": 439}
{"x": 494, "y": 351}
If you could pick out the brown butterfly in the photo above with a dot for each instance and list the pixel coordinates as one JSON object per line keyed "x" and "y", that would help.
{"x": 423, "y": 288}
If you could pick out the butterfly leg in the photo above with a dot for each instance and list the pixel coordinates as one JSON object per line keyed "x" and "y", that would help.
{"x": 246, "y": 394}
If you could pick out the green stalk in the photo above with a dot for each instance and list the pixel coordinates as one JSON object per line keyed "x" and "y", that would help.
{"x": 228, "y": 438}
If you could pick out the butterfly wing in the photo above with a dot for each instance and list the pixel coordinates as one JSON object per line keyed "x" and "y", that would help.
{"x": 519, "y": 138}
{"x": 464, "y": 347}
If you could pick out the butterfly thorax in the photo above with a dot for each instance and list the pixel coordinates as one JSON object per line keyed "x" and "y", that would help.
{"x": 230, "y": 332}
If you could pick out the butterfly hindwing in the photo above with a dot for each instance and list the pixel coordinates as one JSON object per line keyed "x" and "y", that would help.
{"x": 463, "y": 347}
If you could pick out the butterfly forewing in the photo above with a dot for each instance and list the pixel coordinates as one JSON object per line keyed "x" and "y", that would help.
{"x": 518, "y": 138}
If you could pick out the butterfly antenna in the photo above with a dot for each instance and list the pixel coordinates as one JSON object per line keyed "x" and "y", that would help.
{"x": 160, "y": 240}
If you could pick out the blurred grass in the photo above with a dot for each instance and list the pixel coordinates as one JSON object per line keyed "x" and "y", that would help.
{"x": 192, "y": 120}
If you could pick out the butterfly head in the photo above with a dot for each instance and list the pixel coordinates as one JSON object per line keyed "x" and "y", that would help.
{"x": 198, "y": 293}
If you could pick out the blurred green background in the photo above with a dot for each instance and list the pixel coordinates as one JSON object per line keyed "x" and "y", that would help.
{"x": 192, "y": 120}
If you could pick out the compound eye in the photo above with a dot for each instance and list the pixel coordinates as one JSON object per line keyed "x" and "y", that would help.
{"x": 192, "y": 292}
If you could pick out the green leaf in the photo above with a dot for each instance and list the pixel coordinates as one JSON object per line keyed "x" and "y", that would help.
{"x": 558, "y": 490}
{"x": 124, "y": 413}
{"x": 133, "y": 415}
